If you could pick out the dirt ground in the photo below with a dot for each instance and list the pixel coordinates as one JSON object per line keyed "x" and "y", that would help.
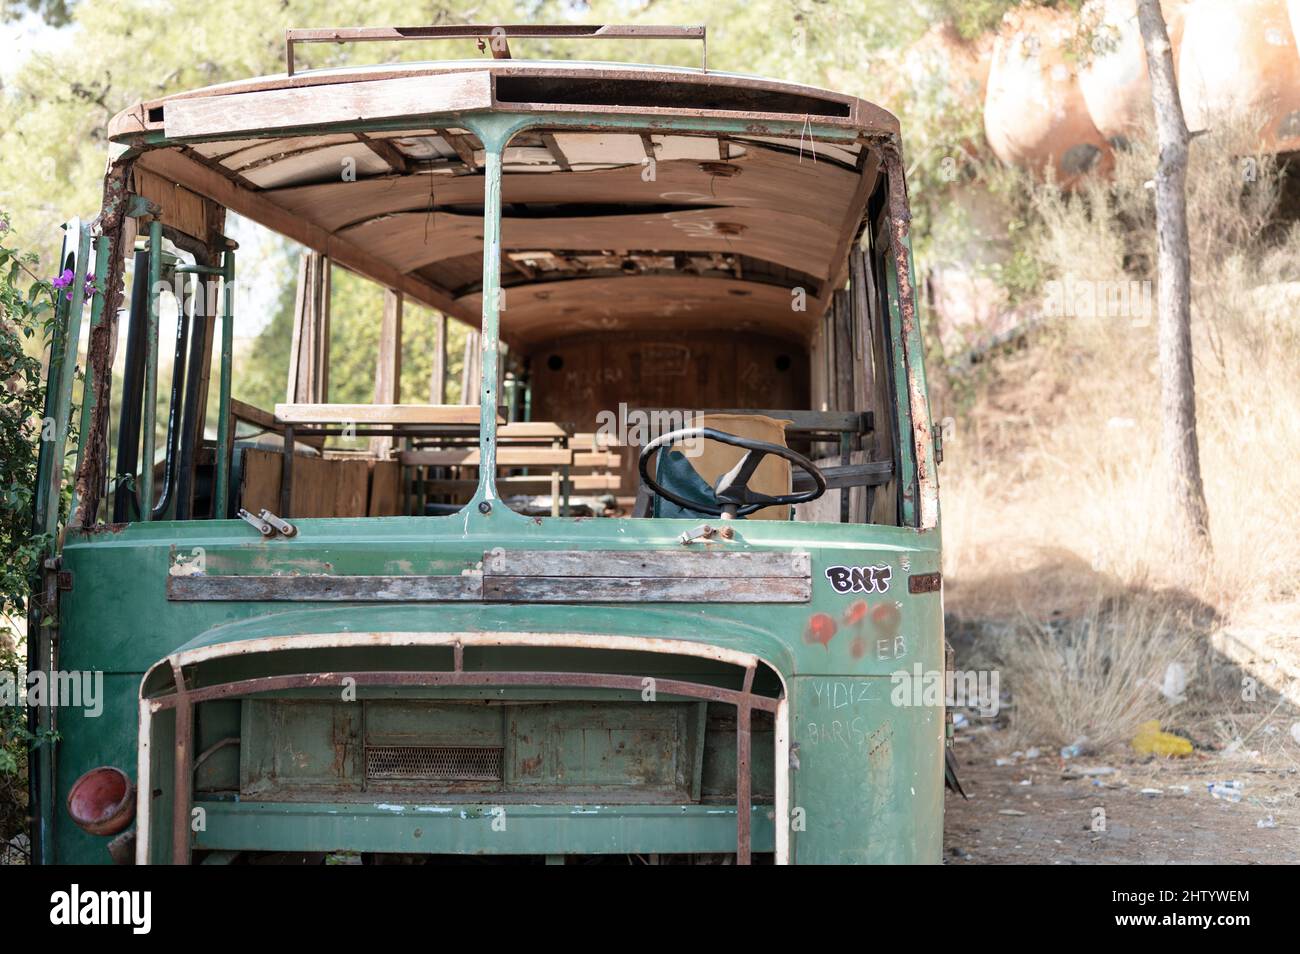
{"x": 1044, "y": 810}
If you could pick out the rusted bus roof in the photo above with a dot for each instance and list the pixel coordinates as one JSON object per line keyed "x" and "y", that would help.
{"x": 674, "y": 90}
{"x": 718, "y": 234}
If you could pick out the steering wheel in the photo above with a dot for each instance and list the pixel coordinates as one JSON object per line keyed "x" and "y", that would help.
{"x": 732, "y": 489}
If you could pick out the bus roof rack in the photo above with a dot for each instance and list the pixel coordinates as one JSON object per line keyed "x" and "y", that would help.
{"x": 496, "y": 37}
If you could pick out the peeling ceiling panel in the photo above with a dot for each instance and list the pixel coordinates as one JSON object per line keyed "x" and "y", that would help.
{"x": 601, "y": 149}
{"x": 271, "y": 148}
{"x": 847, "y": 154}
{"x": 424, "y": 148}
{"x": 332, "y": 163}
{"x": 225, "y": 147}
{"x": 696, "y": 148}
{"x": 528, "y": 159}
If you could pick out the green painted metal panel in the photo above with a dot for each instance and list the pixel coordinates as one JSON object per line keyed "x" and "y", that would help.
{"x": 117, "y": 618}
{"x": 391, "y": 826}
{"x": 221, "y": 494}
{"x": 869, "y": 787}
{"x": 591, "y": 746}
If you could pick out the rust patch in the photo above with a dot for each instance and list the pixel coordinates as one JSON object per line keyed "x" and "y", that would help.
{"x": 103, "y": 338}
{"x": 900, "y": 219}
{"x": 924, "y": 583}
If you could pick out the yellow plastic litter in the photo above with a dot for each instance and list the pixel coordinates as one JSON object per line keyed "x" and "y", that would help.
{"x": 1151, "y": 741}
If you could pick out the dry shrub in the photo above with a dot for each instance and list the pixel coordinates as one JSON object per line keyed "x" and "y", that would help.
{"x": 1054, "y": 486}
{"x": 1095, "y": 675}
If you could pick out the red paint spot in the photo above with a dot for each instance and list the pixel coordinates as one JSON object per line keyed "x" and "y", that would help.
{"x": 821, "y": 629}
{"x": 886, "y": 617}
{"x": 858, "y": 648}
{"x": 856, "y": 612}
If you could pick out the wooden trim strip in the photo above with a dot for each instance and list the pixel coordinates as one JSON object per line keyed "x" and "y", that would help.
{"x": 505, "y": 457}
{"x": 563, "y": 589}
{"x": 239, "y": 115}
{"x": 320, "y": 588}
{"x": 323, "y": 588}
{"x": 377, "y": 413}
{"x": 676, "y": 564}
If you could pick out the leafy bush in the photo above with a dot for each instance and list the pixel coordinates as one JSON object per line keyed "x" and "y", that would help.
{"x": 26, "y": 316}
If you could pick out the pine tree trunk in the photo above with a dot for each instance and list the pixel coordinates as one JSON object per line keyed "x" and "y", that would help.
{"x": 1177, "y": 381}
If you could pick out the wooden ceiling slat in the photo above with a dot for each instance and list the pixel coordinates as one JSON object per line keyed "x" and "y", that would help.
{"x": 413, "y": 240}
{"x": 538, "y": 312}
{"x": 767, "y": 179}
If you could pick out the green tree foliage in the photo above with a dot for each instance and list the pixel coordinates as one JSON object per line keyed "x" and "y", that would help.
{"x": 975, "y": 17}
{"x": 26, "y": 309}
{"x": 56, "y": 13}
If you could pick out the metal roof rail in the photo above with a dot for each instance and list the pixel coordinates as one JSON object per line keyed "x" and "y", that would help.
{"x": 496, "y": 37}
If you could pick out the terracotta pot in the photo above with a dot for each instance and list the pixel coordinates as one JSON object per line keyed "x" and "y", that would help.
{"x": 1035, "y": 116}
{"x": 1238, "y": 56}
{"x": 1115, "y": 83}
{"x": 102, "y": 801}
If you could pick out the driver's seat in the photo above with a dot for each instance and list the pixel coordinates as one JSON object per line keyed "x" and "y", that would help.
{"x": 694, "y": 477}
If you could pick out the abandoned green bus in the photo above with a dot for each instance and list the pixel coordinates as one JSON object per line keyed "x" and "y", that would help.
{"x": 645, "y": 593}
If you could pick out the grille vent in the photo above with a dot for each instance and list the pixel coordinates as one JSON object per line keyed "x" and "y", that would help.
{"x": 443, "y": 763}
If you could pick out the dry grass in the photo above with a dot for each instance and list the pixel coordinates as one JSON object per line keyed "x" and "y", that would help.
{"x": 1096, "y": 675}
{"x": 1054, "y": 487}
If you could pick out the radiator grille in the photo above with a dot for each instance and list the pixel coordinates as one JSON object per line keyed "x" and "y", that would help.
{"x": 447, "y": 763}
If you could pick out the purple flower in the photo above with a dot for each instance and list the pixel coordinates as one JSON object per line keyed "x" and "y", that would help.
{"x": 64, "y": 280}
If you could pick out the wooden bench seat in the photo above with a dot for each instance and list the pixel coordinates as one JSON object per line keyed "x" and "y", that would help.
{"x": 391, "y": 414}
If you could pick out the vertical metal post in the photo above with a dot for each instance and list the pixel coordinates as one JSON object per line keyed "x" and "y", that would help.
{"x": 221, "y": 496}
{"x": 67, "y": 377}
{"x": 286, "y": 474}
{"x": 438, "y": 378}
{"x": 744, "y": 786}
{"x": 149, "y": 418}
{"x": 846, "y": 493}
{"x": 490, "y": 334}
{"x": 183, "y": 773}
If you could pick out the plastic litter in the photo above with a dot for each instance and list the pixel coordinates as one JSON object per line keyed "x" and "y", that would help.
{"x": 1229, "y": 791}
{"x": 1236, "y": 749}
{"x": 1175, "y": 683}
{"x": 1076, "y": 748}
{"x": 1266, "y": 822}
{"x": 1149, "y": 740}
